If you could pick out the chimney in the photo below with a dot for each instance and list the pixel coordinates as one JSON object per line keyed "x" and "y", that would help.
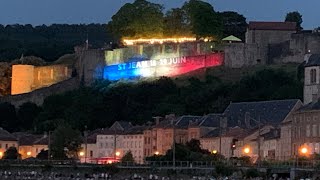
{"x": 247, "y": 120}
{"x": 45, "y": 134}
{"x": 157, "y": 119}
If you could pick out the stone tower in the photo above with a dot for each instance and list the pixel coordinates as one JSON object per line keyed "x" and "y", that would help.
{"x": 311, "y": 78}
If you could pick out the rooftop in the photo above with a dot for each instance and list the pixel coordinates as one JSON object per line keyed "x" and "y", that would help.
{"x": 269, "y": 112}
{"x": 275, "y": 26}
{"x": 314, "y": 60}
{"x": 6, "y": 136}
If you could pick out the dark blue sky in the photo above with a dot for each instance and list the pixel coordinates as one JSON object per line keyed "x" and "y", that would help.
{"x": 100, "y": 11}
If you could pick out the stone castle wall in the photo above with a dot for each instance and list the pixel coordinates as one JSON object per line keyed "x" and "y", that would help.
{"x": 91, "y": 63}
{"x": 39, "y": 95}
{"x": 271, "y": 47}
{"x": 26, "y": 78}
{"x": 239, "y": 55}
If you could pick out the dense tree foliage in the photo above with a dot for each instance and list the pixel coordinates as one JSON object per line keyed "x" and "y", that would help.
{"x": 176, "y": 23}
{"x": 294, "y": 16}
{"x": 48, "y": 42}
{"x": 202, "y": 19}
{"x": 233, "y": 24}
{"x": 138, "y": 19}
{"x": 26, "y": 114}
{"x": 145, "y": 19}
{"x": 66, "y": 143}
{"x": 11, "y": 153}
{"x": 43, "y": 155}
{"x": 128, "y": 157}
{"x": 189, "y": 152}
{"x": 5, "y": 74}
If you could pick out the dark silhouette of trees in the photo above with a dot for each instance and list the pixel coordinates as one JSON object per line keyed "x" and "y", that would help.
{"x": 11, "y": 153}
{"x": 49, "y": 42}
{"x": 233, "y": 24}
{"x": 138, "y": 19}
{"x": 296, "y": 17}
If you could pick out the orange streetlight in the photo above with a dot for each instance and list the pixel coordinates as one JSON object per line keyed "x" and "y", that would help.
{"x": 81, "y": 153}
{"x": 28, "y": 153}
{"x": 246, "y": 150}
{"x": 157, "y": 153}
{"x": 117, "y": 153}
{"x": 304, "y": 150}
{"x": 214, "y": 152}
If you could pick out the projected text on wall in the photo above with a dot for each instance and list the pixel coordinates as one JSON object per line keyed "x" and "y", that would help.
{"x": 161, "y": 67}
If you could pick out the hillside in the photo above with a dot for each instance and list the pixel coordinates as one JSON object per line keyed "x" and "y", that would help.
{"x": 234, "y": 74}
{"x": 104, "y": 103}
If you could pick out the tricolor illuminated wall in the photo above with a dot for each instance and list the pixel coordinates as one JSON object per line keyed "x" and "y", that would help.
{"x": 174, "y": 66}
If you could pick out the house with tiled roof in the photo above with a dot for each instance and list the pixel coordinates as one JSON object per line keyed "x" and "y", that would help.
{"x": 275, "y": 113}
{"x": 7, "y": 140}
{"x": 248, "y": 114}
{"x": 305, "y": 129}
{"x": 217, "y": 141}
{"x": 27, "y": 147}
{"x": 111, "y": 144}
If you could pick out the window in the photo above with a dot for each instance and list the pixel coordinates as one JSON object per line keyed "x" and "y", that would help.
{"x": 6, "y": 146}
{"x": 308, "y": 130}
{"x": 313, "y": 76}
{"x": 91, "y": 153}
{"x": 314, "y": 130}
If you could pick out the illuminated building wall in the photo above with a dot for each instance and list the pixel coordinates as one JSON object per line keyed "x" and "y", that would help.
{"x": 173, "y": 66}
{"x": 26, "y": 78}
{"x": 154, "y": 51}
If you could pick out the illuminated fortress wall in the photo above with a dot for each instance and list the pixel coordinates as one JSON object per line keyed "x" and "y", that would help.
{"x": 152, "y": 51}
{"x": 162, "y": 67}
{"x": 22, "y": 79}
{"x": 26, "y": 78}
{"x": 155, "y": 60}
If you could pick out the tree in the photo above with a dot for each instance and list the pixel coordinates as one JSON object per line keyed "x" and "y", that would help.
{"x": 5, "y": 74}
{"x": 66, "y": 143}
{"x": 194, "y": 145}
{"x": 202, "y": 19}
{"x": 175, "y": 23}
{"x": 233, "y": 24}
{"x": 138, "y": 19}
{"x": 11, "y": 153}
{"x": 27, "y": 114}
{"x": 9, "y": 120}
{"x": 43, "y": 155}
{"x": 128, "y": 157}
{"x": 296, "y": 17}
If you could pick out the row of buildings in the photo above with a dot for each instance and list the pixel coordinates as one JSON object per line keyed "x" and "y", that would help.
{"x": 228, "y": 133}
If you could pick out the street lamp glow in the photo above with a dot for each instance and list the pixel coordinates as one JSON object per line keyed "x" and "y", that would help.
{"x": 117, "y": 153}
{"x": 81, "y": 153}
{"x": 1, "y": 154}
{"x": 157, "y": 153}
{"x": 304, "y": 150}
{"x": 28, "y": 153}
{"x": 246, "y": 150}
{"x": 214, "y": 152}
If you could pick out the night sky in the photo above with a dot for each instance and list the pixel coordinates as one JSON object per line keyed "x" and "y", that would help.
{"x": 37, "y": 12}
